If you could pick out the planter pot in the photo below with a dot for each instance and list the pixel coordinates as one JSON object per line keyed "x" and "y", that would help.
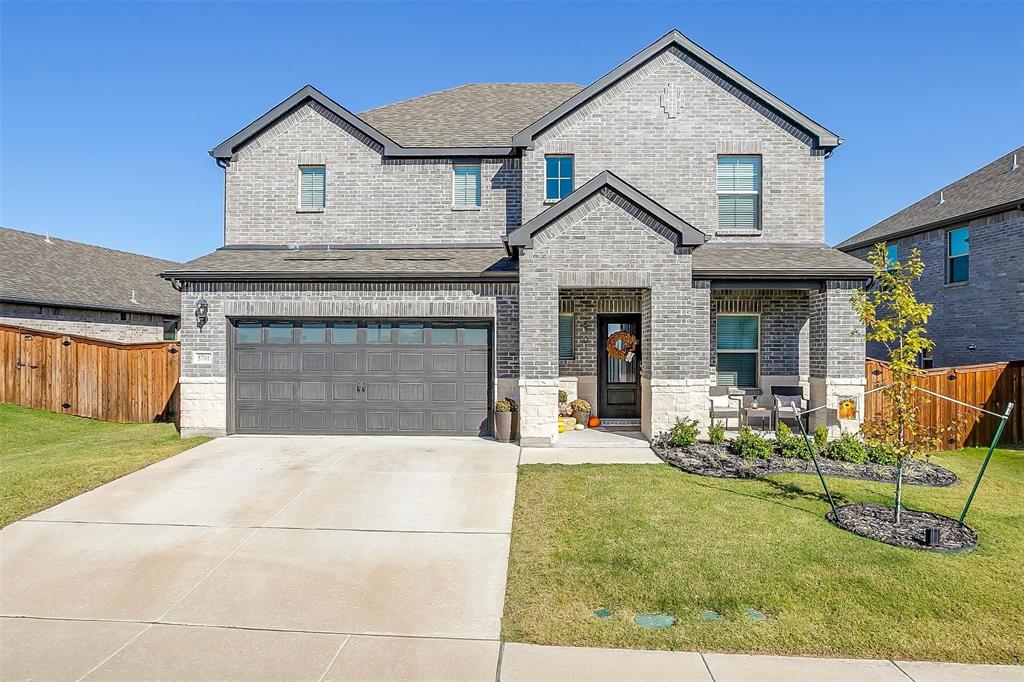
{"x": 581, "y": 417}
{"x": 503, "y": 426}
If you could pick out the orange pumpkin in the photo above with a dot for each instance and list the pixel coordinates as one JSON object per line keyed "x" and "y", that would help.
{"x": 594, "y": 422}
{"x": 848, "y": 409}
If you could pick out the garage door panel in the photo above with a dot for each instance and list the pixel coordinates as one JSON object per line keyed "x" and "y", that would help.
{"x": 345, "y": 377}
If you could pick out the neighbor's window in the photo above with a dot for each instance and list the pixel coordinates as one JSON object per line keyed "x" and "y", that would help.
{"x": 736, "y": 341}
{"x": 565, "y": 336}
{"x": 466, "y": 190}
{"x": 558, "y": 176}
{"x": 958, "y": 250}
{"x": 892, "y": 254}
{"x": 739, "y": 192}
{"x": 171, "y": 329}
{"x": 926, "y": 359}
{"x": 312, "y": 187}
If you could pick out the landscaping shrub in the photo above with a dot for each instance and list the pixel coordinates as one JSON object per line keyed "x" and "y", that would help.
{"x": 821, "y": 438}
{"x": 716, "y": 433}
{"x": 882, "y": 454}
{"x": 750, "y": 445}
{"x": 684, "y": 433}
{"x": 847, "y": 448}
{"x": 787, "y": 444}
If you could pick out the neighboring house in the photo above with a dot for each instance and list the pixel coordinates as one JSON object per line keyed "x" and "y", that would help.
{"x": 397, "y": 270}
{"x": 971, "y": 237}
{"x": 60, "y": 286}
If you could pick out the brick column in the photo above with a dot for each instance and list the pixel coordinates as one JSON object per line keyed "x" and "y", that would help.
{"x": 538, "y": 354}
{"x": 836, "y": 356}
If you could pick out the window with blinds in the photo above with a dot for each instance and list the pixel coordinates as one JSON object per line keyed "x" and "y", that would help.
{"x": 739, "y": 192}
{"x": 312, "y": 186}
{"x": 466, "y": 190}
{"x": 565, "y": 336}
{"x": 737, "y": 345}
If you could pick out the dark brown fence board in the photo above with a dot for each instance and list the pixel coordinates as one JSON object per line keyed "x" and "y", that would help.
{"x": 99, "y": 379}
{"x": 990, "y": 386}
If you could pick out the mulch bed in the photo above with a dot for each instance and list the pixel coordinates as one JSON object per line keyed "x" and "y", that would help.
{"x": 876, "y": 522}
{"x": 715, "y": 460}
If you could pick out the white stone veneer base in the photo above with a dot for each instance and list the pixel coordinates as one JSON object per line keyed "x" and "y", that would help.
{"x": 829, "y": 391}
{"x": 204, "y": 406}
{"x": 538, "y": 412}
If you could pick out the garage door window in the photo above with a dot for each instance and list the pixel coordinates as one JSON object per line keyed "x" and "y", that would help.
{"x": 409, "y": 332}
{"x": 279, "y": 332}
{"x": 378, "y": 333}
{"x": 474, "y": 336}
{"x": 249, "y": 332}
{"x": 444, "y": 336}
{"x": 344, "y": 332}
{"x": 313, "y": 332}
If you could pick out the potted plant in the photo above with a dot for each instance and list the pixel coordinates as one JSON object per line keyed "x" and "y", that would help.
{"x": 503, "y": 410}
{"x": 580, "y": 410}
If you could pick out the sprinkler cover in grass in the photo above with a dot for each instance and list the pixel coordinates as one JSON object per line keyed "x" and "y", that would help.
{"x": 603, "y": 613}
{"x": 710, "y": 615}
{"x": 654, "y": 621}
{"x": 755, "y": 615}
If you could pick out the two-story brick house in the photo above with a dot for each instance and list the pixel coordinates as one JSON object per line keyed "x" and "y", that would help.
{"x": 971, "y": 237}
{"x": 397, "y": 270}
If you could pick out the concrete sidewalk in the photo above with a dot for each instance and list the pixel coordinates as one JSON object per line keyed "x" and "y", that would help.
{"x": 529, "y": 662}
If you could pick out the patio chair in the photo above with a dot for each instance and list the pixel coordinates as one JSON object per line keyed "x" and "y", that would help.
{"x": 789, "y": 400}
{"x": 725, "y": 403}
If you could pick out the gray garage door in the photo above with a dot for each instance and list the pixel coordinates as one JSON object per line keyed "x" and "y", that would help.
{"x": 360, "y": 377}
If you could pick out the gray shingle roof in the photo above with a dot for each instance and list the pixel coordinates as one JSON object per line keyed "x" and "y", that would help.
{"x": 775, "y": 261}
{"x": 72, "y": 274}
{"x": 474, "y": 115}
{"x": 988, "y": 187}
{"x": 348, "y": 263}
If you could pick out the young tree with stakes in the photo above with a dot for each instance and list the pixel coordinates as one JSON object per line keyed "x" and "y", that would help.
{"x": 895, "y": 318}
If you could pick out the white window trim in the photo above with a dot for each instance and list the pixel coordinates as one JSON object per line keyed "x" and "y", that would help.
{"x": 558, "y": 178}
{"x": 756, "y": 352}
{"x": 299, "y": 208}
{"x": 480, "y": 194}
{"x": 746, "y": 231}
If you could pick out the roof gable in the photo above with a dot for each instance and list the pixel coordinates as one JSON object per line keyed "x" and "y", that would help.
{"x": 685, "y": 234}
{"x": 741, "y": 86}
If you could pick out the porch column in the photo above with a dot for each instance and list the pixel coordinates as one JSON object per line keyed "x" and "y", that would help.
{"x": 538, "y": 353}
{"x": 677, "y": 328}
{"x": 836, "y": 356}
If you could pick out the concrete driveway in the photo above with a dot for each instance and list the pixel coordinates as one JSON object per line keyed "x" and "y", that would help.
{"x": 269, "y": 558}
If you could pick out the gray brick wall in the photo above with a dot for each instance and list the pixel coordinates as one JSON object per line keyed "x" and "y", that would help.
{"x": 988, "y": 311}
{"x": 836, "y": 333}
{"x": 627, "y": 131}
{"x": 585, "y": 305}
{"x": 338, "y": 300}
{"x": 785, "y": 331}
{"x": 369, "y": 200}
{"x": 600, "y": 244}
{"x": 97, "y": 324}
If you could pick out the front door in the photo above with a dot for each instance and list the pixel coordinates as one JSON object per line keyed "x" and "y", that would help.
{"x": 618, "y": 379}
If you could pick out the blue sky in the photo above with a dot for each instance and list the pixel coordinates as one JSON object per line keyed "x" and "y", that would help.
{"x": 109, "y": 109}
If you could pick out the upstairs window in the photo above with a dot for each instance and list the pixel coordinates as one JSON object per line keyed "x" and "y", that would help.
{"x": 171, "y": 326}
{"x": 739, "y": 192}
{"x": 958, "y": 254}
{"x": 565, "y": 336}
{"x": 466, "y": 190}
{"x": 737, "y": 341}
{"x": 312, "y": 186}
{"x": 558, "y": 177}
{"x": 892, "y": 255}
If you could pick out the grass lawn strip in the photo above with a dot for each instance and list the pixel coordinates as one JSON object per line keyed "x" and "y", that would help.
{"x": 46, "y": 458}
{"x": 641, "y": 539}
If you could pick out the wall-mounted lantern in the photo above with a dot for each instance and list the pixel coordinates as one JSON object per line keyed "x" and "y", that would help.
{"x": 202, "y": 312}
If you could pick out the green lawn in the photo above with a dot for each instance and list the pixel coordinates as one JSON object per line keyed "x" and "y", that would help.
{"x": 650, "y": 539}
{"x": 46, "y": 458}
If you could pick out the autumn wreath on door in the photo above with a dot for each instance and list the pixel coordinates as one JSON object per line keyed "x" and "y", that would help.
{"x": 621, "y": 346}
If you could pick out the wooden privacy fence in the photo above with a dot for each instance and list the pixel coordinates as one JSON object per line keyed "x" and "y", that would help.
{"x": 116, "y": 382}
{"x": 990, "y": 386}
